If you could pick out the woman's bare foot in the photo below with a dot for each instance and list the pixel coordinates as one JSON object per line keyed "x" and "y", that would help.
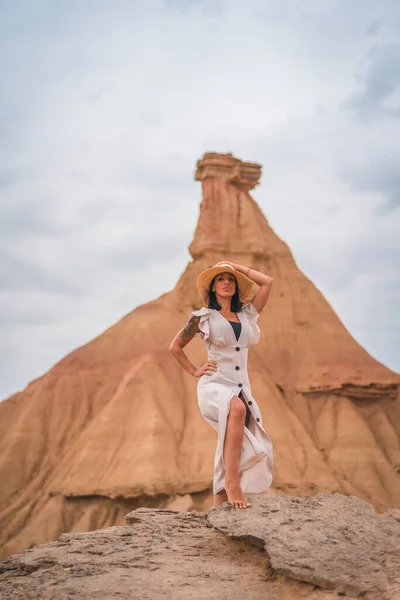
{"x": 235, "y": 494}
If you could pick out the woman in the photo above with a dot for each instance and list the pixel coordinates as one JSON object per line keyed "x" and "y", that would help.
{"x": 228, "y": 326}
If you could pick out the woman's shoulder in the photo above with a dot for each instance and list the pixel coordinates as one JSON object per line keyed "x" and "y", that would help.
{"x": 203, "y": 312}
{"x": 250, "y": 310}
{"x": 203, "y": 315}
{"x": 252, "y": 316}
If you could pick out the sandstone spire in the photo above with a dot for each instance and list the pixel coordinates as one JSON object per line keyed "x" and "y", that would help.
{"x": 116, "y": 425}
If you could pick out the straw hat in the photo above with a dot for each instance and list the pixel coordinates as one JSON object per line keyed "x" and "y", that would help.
{"x": 204, "y": 280}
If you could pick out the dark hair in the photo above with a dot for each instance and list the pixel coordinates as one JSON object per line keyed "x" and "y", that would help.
{"x": 236, "y": 305}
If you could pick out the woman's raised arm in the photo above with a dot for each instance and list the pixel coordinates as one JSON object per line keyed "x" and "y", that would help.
{"x": 263, "y": 281}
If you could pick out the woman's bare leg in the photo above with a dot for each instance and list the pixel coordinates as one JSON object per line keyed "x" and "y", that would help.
{"x": 232, "y": 449}
{"x": 220, "y": 498}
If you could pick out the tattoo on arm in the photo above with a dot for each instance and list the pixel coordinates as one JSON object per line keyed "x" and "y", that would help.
{"x": 190, "y": 329}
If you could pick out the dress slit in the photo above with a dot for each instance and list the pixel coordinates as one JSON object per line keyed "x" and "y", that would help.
{"x": 224, "y": 410}
{"x": 245, "y": 462}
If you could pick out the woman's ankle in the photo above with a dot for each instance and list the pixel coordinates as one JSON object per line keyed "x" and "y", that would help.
{"x": 232, "y": 479}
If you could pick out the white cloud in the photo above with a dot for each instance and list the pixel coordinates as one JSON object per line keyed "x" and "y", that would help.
{"x": 108, "y": 105}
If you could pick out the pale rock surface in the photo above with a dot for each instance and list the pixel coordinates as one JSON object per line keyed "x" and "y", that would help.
{"x": 115, "y": 425}
{"x": 171, "y": 555}
{"x": 333, "y": 541}
{"x": 165, "y": 555}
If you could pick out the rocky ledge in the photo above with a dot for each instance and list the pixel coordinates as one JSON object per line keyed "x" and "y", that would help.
{"x": 281, "y": 548}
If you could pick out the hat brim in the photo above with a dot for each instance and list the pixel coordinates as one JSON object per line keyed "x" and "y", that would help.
{"x": 205, "y": 278}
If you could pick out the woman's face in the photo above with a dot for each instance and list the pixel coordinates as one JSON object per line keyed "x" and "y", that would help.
{"x": 224, "y": 285}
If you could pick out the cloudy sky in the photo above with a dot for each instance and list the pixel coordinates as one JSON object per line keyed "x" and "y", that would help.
{"x": 105, "y": 107}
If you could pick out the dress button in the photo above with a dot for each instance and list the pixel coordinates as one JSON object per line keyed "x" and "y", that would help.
{"x": 250, "y": 402}
{"x": 237, "y": 368}
{"x": 240, "y": 384}
{"x": 258, "y": 420}
{"x": 237, "y": 348}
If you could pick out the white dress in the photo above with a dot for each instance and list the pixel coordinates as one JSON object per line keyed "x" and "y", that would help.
{"x": 216, "y": 391}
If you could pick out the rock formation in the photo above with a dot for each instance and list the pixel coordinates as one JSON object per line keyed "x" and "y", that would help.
{"x": 333, "y": 541}
{"x": 115, "y": 424}
{"x": 282, "y": 548}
